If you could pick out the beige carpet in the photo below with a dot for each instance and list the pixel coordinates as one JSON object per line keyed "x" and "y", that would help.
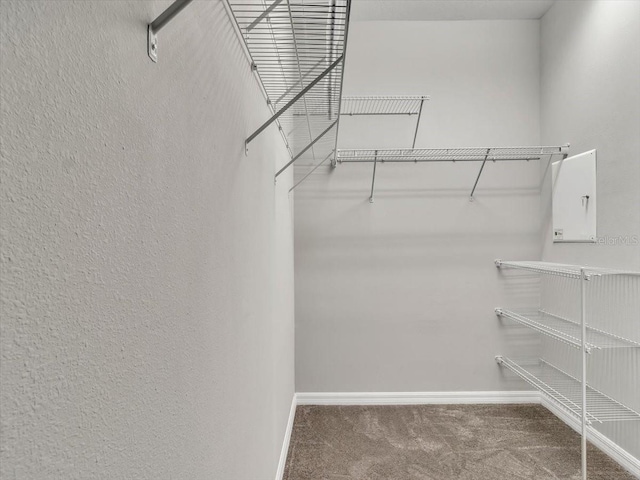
{"x": 434, "y": 442}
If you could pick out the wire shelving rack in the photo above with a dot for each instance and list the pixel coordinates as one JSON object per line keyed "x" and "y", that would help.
{"x": 570, "y": 393}
{"x": 467, "y": 154}
{"x": 383, "y": 105}
{"x": 567, "y": 331}
{"x": 563, "y": 270}
{"x": 297, "y": 50}
{"x": 472, "y": 154}
{"x": 566, "y": 391}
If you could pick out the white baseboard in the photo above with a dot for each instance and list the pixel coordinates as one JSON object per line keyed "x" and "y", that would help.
{"x": 287, "y": 438}
{"x": 415, "y": 398}
{"x": 622, "y": 457}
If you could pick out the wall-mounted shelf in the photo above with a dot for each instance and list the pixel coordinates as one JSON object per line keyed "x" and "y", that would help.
{"x": 567, "y": 331}
{"x": 469, "y": 154}
{"x": 296, "y": 49}
{"x": 473, "y": 154}
{"x": 563, "y": 270}
{"x": 383, "y": 105}
{"x": 565, "y": 391}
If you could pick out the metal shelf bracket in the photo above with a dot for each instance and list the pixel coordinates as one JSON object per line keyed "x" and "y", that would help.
{"x": 479, "y": 173}
{"x": 155, "y": 26}
{"x": 373, "y": 180}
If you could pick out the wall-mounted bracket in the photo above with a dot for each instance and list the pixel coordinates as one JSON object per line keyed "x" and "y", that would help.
{"x": 155, "y": 26}
{"x": 152, "y": 44}
{"x": 373, "y": 180}
{"x": 479, "y": 173}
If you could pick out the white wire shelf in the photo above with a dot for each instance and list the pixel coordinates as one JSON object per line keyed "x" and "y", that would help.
{"x": 566, "y": 391}
{"x": 567, "y": 331}
{"x": 383, "y": 105}
{"x": 563, "y": 270}
{"x": 297, "y": 48}
{"x": 468, "y": 154}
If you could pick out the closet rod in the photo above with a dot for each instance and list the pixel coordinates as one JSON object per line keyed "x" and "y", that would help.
{"x": 155, "y": 26}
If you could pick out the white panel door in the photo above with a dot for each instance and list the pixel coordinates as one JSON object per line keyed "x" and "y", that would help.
{"x": 574, "y": 198}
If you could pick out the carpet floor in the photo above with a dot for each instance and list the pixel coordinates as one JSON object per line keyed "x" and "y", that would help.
{"x": 438, "y": 442}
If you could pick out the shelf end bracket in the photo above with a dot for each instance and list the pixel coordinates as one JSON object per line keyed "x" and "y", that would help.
{"x": 155, "y": 26}
{"x": 152, "y": 44}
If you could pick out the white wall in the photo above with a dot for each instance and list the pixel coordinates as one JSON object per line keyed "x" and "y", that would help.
{"x": 590, "y": 66}
{"x": 398, "y": 295}
{"x": 590, "y": 97}
{"x": 147, "y": 266}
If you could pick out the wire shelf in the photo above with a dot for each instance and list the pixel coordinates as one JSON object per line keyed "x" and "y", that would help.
{"x": 469, "y": 154}
{"x": 567, "y": 331}
{"x": 383, "y": 105}
{"x": 563, "y": 270}
{"x": 565, "y": 390}
{"x": 293, "y": 43}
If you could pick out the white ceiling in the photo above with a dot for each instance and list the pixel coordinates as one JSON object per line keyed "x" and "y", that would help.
{"x": 426, "y": 10}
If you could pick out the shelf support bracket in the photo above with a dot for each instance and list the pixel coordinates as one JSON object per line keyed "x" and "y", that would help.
{"x": 415, "y": 135}
{"x": 263, "y": 15}
{"x": 312, "y": 170}
{"x": 373, "y": 180}
{"x": 294, "y": 100}
{"x": 155, "y": 26}
{"x": 479, "y": 173}
{"x": 306, "y": 148}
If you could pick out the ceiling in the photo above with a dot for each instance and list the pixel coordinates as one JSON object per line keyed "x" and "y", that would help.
{"x": 425, "y": 10}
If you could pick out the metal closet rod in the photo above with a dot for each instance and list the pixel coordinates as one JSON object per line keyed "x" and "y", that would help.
{"x": 154, "y": 27}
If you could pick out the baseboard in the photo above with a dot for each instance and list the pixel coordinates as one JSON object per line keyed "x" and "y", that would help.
{"x": 287, "y": 438}
{"x": 415, "y": 398}
{"x": 619, "y": 455}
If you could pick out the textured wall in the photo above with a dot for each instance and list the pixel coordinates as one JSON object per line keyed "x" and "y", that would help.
{"x": 398, "y": 295}
{"x": 147, "y": 267}
{"x": 590, "y": 67}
